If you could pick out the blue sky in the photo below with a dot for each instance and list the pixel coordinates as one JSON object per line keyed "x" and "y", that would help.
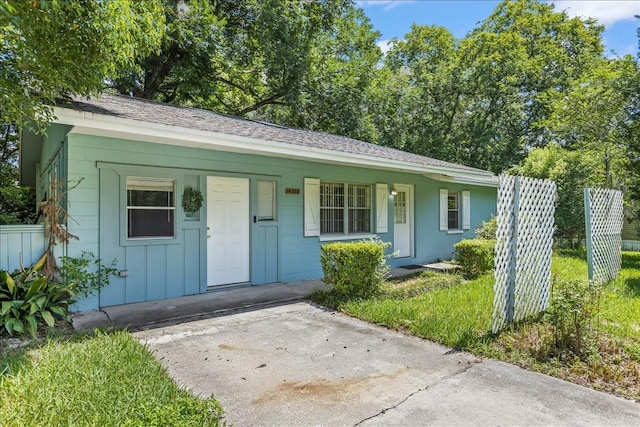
{"x": 393, "y": 18}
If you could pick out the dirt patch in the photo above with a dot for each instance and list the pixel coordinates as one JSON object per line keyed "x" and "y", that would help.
{"x": 324, "y": 389}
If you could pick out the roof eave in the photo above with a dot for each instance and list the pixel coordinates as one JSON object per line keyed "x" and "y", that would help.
{"x": 112, "y": 126}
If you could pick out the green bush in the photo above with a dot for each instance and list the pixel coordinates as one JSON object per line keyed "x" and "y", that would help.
{"x": 355, "y": 269}
{"x": 28, "y": 298}
{"x": 475, "y": 256}
{"x": 575, "y": 305}
{"x": 487, "y": 230}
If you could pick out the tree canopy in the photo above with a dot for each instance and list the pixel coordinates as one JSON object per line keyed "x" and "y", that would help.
{"x": 527, "y": 76}
{"x": 53, "y": 48}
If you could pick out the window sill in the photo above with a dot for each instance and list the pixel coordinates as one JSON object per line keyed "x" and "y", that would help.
{"x": 332, "y": 237}
{"x": 456, "y": 231}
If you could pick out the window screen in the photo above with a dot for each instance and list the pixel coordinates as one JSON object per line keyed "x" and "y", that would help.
{"x": 150, "y": 208}
{"x": 266, "y": 201}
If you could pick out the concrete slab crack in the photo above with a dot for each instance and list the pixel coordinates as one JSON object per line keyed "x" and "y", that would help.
{"x": 382, "y": 412}
{"x": 390, "y": 407}
{"x": 108, "y": 318}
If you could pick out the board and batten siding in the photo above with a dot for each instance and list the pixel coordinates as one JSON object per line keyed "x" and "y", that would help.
{"x": 157, "y": 271}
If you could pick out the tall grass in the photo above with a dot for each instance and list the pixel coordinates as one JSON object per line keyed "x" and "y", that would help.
{"x": 109, "y": 379}
{"x": 454, "y": 315}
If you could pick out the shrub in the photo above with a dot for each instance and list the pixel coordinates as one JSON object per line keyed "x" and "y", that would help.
{"x": 487, "y": 230}
{"x": 28, "y": 298}
{"x": 475, "y": 256}
{"x": 575, "y": 305}
{"x": 355, "y": 269}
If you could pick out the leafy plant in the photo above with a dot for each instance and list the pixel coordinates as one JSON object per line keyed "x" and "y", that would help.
{"x": 487, "y": 230}
{"x": 475, "y": 256}
{"x": 28, "y": 298}
{"x": 86, "y": 274}
{"x": 575, "y": 305}
{"x": 356, "y": 269}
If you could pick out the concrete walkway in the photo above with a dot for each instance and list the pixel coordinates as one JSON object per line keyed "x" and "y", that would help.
{"x": 302, "y": 365}
{"x": 272, "y": 359}
{"x": 154, "y": 314}
{"x": 214, "y": 303}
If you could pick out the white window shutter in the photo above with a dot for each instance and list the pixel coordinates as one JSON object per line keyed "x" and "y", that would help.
{"x": 382, "y": 211}
{"x": 466, "y": 210}
{"x": 444, "y": 209}
{"x": 311, "y": 207}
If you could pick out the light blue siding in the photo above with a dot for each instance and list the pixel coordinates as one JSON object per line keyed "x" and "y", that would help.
{"x": 279, "y": 250}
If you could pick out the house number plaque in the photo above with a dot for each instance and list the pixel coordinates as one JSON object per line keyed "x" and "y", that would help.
{"x": 291, "y": 191}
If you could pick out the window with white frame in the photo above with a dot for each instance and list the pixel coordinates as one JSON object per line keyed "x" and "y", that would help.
{"x": 345, "y": 208}
{"x": 453, "y": 210}
{"x": 150, "y": 208}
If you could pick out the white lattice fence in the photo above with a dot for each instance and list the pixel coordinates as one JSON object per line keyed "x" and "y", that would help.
{"x": 526, "y": 207}
{"x": 604, "y": 216}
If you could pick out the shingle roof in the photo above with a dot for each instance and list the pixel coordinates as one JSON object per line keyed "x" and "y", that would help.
{"x": 204, "y": 120}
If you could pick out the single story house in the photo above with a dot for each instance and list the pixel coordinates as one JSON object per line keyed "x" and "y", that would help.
{"x": 272, "y": 196}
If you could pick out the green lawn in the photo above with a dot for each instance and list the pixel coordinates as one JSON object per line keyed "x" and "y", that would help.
{"x": 457, "y": 313}
{"x": 106, "y": 379}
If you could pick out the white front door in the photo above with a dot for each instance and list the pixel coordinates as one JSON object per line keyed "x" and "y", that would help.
{"x": 227, "y": 230}
{"x": 403, "y": 221}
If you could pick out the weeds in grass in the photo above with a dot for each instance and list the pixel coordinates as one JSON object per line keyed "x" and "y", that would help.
{"x": 458, "y": 313}
{"x": 107, "y": 379}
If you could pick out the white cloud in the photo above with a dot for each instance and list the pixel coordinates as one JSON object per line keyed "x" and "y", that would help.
{"x": 607, "y": 12}
{"x": 385, "y": 45}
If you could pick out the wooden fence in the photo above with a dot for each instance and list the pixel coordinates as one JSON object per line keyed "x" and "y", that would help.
{"x": 20, "y": 244}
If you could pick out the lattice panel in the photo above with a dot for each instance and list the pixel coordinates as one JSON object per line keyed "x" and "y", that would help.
{"x": 604, "y": 218}
{"x": 526, "y": 207}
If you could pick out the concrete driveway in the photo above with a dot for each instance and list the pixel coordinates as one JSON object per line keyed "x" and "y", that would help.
{"x": 299, "y": 365}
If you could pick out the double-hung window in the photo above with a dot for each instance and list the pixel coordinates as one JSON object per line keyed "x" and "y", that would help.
{"x": 455, "y": 210}
{"x": 345, "y": 208}
{"x": 151, "y": 211}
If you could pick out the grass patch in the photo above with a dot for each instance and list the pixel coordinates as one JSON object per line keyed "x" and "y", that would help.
{"x": 105, "y": 379}
{"x": 457, "y": 313}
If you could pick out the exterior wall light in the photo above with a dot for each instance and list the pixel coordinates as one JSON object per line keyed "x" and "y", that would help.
{"x": 393, "y": 191}
{"x": 182, "y": 8}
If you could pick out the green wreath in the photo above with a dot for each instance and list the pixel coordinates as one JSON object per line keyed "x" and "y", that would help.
{"x": 191, "y": 200}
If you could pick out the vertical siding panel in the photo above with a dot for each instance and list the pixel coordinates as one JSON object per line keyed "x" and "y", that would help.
{"x": 174, "y": 268}
{"x": 115, "y": 292}
{"x": 259, "y": 256}
{"x": 192, "y": 259}
{"x": 156, "y": 265}
{"x": 136, "y": 285}
{"x": 271, "y": 264}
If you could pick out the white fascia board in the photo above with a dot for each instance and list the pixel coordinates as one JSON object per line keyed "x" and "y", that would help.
{"x": 485, "y": 181}
{"x": 86, "y": 123}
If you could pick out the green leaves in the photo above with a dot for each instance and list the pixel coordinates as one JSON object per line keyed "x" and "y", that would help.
{"x": 84, "y": 42}
{"x": 27, "y": 298}
{"x": 356, "y": 269}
